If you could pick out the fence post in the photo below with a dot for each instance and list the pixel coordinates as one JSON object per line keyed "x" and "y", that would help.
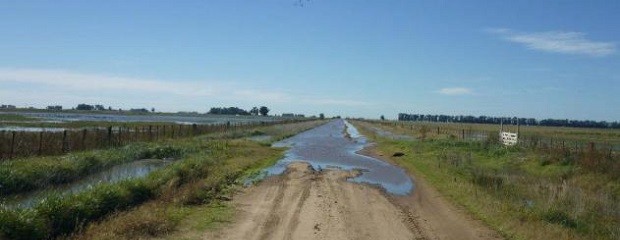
{"x": 110, "y": 136}
{"x": 64, "y": 141}
{"x": 150, "y": 133}
{"x": 194, "y": 128}
{"x": 40, "y": 143}
{"x": 157, "y": 133}
{"x": 463, "y": 134}
{"x": 172, "y": 128}
{"x": 12, "y": 144}
{"x": 120, "y": 136}
{"x": 84, "y": 139}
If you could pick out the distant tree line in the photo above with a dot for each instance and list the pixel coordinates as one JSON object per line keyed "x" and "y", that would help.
{"x": 508, "y": 120}
{"x": 239, "y": 111}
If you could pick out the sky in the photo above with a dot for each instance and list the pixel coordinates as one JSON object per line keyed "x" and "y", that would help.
{"x": 355, "y": 58}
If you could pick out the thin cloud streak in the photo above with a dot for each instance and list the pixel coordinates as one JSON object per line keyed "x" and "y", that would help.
{"x": 557, "y": 42}
{"x": 70, "y": 83}
{"x": 454, "y": 91}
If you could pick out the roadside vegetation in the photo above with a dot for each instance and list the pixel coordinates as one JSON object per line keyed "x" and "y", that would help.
{"x": 524, "y": 192}
{"x": 208, "y": 168}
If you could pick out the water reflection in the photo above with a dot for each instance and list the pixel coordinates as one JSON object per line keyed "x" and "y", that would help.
{"x": 326, "y": 146}
{"x": 134, "y": 169}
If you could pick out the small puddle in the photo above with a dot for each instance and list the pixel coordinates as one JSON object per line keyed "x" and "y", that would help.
{"x": 118, "y": 173}
{"x": 327, "y": 146}
{"x": 391, "y": 135}
{"x": 260, "y": 138}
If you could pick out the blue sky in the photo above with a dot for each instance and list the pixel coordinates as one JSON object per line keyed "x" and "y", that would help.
{"x": 542, "y": 59}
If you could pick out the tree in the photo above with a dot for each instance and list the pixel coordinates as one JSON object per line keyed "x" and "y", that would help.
{"x": 228, "y": 111}
{"x": 254, "y": 111}
{"x": 321, "y": 116}
{"x": 152, "y": 109}
{"x": 382, "y": 117}
{"x": 85, "y": 107}
{"x": 263, "y": 110}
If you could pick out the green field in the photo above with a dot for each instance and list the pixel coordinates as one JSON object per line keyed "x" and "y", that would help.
{"x": 522, "y": 192}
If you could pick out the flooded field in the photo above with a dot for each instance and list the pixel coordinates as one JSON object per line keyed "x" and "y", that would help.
{"x": 328, "y": 146}
{"x": 118, "y": 173}
{"x": 178, "y": 119}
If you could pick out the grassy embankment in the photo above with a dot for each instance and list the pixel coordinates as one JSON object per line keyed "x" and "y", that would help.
{"x": 154, "y": 205}
{"x": 521, "y": 192}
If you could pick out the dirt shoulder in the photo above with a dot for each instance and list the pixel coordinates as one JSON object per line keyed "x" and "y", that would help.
{"x": 308, "y": 204}
{"x": 431, "y": 213}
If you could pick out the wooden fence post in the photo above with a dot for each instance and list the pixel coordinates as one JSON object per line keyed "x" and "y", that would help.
{"x": 172, "y": 128}
{"x": 109, "y": 136}
{"x": 84, "y": 132}
{"x": 120, "y": 136}
{"x": 12, "y": 144}
{"x": 64, "y": 141}
{"x": 40, "y": 143}
{"x": 463, "y": 133}
{"x": 150, "y": 133}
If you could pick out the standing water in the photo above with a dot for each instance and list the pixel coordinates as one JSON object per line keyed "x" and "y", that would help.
{"x": 335, "y": 145}
{"x": 118, "y": 173}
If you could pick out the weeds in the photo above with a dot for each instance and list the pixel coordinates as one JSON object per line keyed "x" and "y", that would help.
{"x": 523, "y": 192}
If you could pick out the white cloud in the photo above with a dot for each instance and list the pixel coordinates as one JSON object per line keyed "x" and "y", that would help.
{"x": 69, "y": 87}
{"x": 455, "y": 91}
{"x": 80, "y": 81}
{"x": 557, "y": 42}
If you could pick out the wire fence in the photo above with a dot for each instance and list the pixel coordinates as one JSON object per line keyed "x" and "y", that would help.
{"x": 525, "y": 139}
{"x": 15, "y": 144}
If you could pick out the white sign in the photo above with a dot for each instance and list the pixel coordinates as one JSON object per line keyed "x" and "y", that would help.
{"x": 508, "y": 138}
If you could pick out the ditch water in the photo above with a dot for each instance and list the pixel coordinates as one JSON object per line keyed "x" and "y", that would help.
{"x": 118, "y": 173}
{"x": 30, "y": 129}
{"x": 327, "y": 146}
{"x": 181, "y": 119}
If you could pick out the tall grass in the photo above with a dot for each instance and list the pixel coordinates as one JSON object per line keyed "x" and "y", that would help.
{"x": 204, "y": 175}
{"x": 28, "y": 174}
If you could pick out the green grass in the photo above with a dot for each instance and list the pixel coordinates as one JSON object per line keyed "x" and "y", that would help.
{"x": 27, "y": 174}
{"x": 520, "y": 192}
{"x": 570, "y": 135}
{"x": 152, "y": 206}
{"x": 8, "y": 117}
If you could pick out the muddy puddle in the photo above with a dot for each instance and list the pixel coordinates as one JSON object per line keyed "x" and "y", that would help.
{"x": 334, "y": 145}
{"x": 118, "y": 173}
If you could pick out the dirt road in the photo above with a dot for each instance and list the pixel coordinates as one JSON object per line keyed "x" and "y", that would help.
{"x": 307, "y": 204}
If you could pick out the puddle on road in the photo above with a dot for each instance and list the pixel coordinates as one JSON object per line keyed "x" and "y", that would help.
{"x": 326, "y": 147}
{"x": 118, "y": 173}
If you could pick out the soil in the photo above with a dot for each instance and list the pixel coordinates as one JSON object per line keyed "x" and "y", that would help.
{"x": 304, "y": 203}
